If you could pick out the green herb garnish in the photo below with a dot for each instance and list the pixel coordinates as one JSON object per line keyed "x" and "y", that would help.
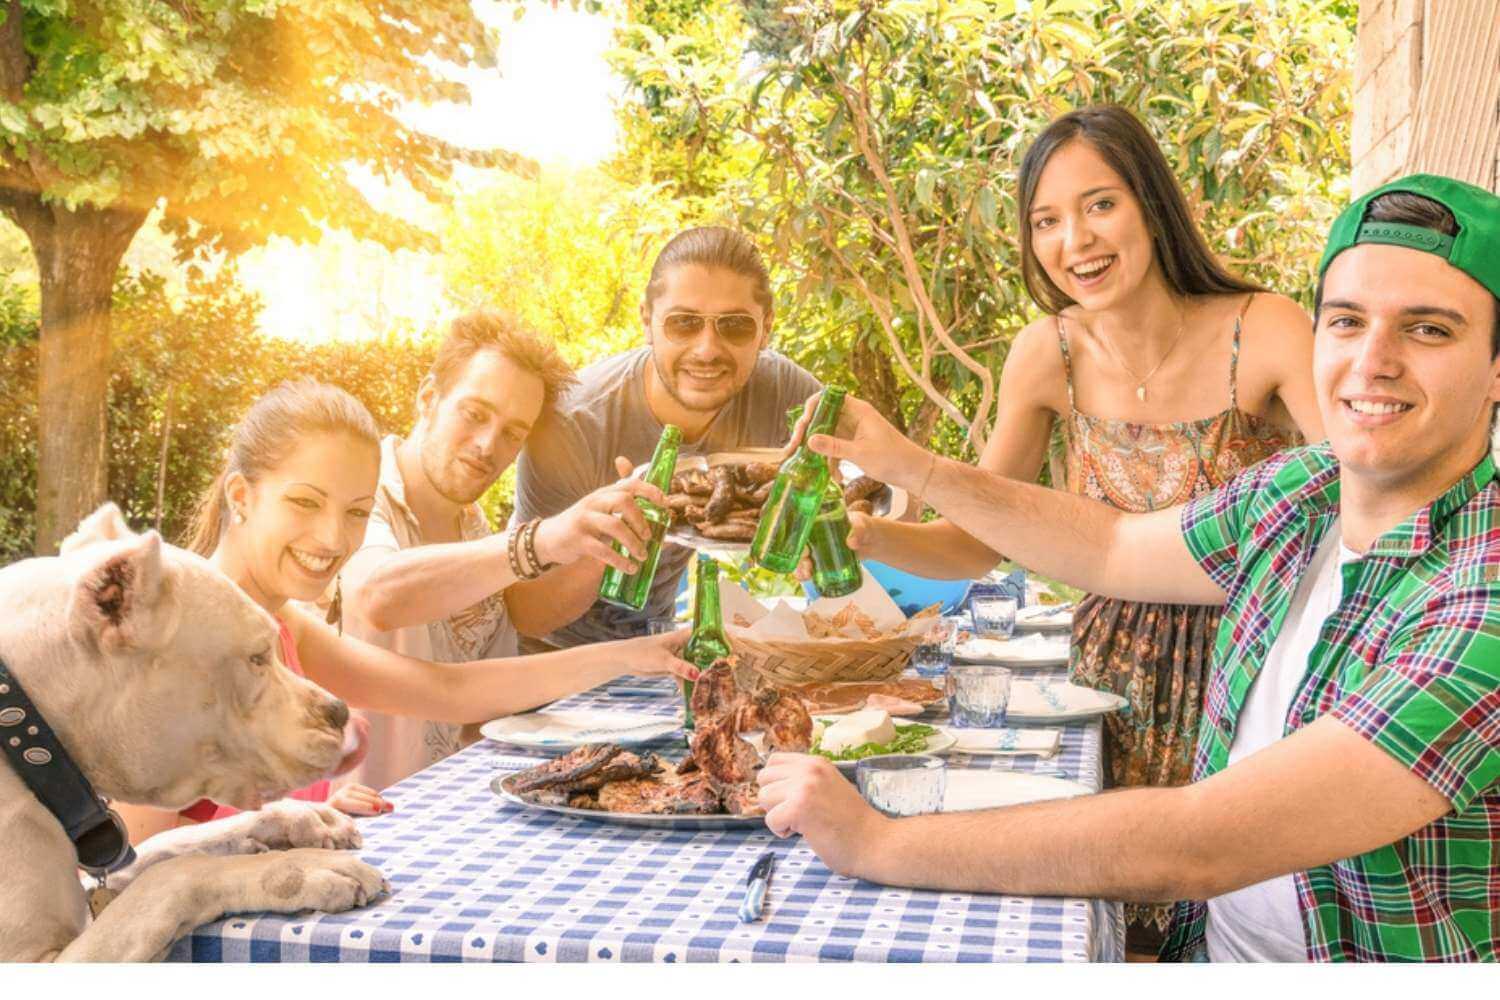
{"x": 909, "y": 739}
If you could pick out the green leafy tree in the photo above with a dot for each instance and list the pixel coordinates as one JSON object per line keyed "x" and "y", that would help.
{"x": 185, "y": 366}
{"x": 239, "y": 118}
{"x": 885, "y": 139}
{"x": 567, "y": 252}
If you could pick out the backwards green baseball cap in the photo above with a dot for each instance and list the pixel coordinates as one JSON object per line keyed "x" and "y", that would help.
{"x": 1474, "y": 251}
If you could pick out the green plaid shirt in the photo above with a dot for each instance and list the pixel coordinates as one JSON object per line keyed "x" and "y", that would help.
{"x": 1410, "y": 661}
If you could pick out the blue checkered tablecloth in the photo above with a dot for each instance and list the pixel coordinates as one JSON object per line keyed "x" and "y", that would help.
{"x": 474, "y": 878}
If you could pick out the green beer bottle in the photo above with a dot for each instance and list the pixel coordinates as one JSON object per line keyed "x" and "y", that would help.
{"x": 787, "y": 519}
{"x": 708, "y": 641}
{"x": 630, "y": 590}
{"x": 836, "y": 571}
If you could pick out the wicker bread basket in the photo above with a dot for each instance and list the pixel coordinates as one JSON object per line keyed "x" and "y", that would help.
{"x": 786, "y": 662}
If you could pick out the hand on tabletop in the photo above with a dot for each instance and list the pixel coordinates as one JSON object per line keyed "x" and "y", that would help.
{"x": 657, "y": 656}
{"x": 807, "y": 795}
{"x": 589, "y": 528}
{"x": 360, "y": 800}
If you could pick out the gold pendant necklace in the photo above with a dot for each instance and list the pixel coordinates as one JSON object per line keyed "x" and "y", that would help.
{"x": 1141, "y": 380}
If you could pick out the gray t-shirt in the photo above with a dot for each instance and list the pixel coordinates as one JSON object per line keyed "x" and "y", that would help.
{"x": 571, "y": 452}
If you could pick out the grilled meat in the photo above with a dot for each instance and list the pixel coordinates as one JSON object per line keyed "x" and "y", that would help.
{"x": 834, "y": 698}
{"x": 668, "y": 795}
{"x": 742, "y": 800}
{"x": 729, "y": 531}
{"x": 715, "y": 693}
{"x": 783, "y": 718}
{"x": 753, "y": 474}
{"x": 692, "y": 481}
{"x": 621, "y": 767}
{"x": 862, "y": 488}
{"x": 722, "y": 500}
{"x": 571, "y": 766}
{"x": 724, "y": 757}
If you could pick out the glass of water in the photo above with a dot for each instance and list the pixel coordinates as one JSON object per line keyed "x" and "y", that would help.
{"x": 994, "y": 617}
{"x": 903, "y": 784}
{"x": 935, "y": 653}
{"x": 978, "y": 695}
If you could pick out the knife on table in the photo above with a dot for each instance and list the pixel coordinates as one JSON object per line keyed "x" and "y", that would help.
{"x": 756, "y": 886}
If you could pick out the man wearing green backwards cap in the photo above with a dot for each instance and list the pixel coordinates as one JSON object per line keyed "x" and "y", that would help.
{"x": 1346, "y": 802}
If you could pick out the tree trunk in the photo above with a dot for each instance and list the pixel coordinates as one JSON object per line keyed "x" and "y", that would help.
{"x": 161, "y": 458}
{"x": 78, "y": 253}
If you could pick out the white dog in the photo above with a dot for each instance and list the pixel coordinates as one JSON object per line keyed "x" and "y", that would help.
{"x": 162, "y": 681}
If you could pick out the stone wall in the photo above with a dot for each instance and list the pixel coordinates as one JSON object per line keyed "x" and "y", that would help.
{"x": 1427, "y": 91}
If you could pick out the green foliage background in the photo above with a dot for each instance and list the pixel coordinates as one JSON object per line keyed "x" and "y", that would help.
{"x": 837, "y": 130}
{"x": 736, "y": 113}
{"x": 186, "y": 370}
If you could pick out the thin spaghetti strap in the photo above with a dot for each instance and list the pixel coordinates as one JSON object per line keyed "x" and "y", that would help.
{"x": 1234, "y": 355}
{"x": 1062, "y": 342}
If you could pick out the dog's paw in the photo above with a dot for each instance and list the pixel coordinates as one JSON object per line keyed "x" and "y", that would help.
{"x": 288, "y": 824}
{"x": 312, "y": 879}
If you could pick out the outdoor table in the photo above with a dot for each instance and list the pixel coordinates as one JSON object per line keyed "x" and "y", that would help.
{"x": 476, "y": 878}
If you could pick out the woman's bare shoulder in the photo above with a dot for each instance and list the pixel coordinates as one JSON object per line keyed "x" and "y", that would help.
{"x": 1034, "y": 365}
{"x": 1035, "y": 350}
{"x": 1276, "y": 332}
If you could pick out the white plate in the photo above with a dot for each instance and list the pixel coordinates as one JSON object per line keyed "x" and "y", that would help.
{"x": 939, "y": 742}
{"x": 1057, "y": 701}
{"x": 1006, "y": 742}
{"x": 565, "y": 730}
{"x": 1034, "y": 618}
{"x": 1030, "y": 651}
{"x": 968, "y": 789}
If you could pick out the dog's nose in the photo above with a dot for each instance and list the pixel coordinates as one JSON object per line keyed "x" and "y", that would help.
{"x": 335, "y": 713}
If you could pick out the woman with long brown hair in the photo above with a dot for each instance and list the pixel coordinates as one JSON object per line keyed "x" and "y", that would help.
{"x": 1168, "y": 374}
{"x": 281, "y": 519}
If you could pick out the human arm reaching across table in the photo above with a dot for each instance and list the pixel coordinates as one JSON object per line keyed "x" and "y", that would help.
{"x": 369, "y": 677}
{"x": 1079, "y": 541}
{"x": 389, "y": 588}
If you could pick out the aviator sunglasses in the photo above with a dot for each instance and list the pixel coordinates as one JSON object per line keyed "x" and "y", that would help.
{"x": 736, "y": 329}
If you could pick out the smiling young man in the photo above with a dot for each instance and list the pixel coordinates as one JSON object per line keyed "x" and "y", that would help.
{"x": 1346, "y": 802}
{"x": 705, "y": 368}
{"x": 430, "y": 577}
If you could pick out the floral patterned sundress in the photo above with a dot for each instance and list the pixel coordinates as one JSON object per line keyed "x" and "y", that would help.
{"x": 1154, "y": 655}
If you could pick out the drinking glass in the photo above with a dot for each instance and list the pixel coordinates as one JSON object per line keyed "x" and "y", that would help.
{"x": 903, "y": 784}
{"x": 994, "y": 617}
{"x": 935, "y": 653}
{"x": 978, "y": 695}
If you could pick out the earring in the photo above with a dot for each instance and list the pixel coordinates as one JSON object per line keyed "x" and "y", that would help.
{"x": 336, "y": 607}
{"x": 239, "y": 517}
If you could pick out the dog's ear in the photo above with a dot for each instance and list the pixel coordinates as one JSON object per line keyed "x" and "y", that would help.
{"x": 104, "y": 525}
{"x": 117, "y": 600}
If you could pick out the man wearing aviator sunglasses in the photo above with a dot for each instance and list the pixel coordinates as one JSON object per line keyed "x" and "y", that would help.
{"x": 736, "y": 329}
{"x": 705, "y": 368}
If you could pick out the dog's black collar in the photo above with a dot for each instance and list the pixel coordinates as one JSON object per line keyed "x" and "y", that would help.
{"x": 36, "y": 754}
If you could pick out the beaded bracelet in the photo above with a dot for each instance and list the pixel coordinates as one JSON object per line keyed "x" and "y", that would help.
{"x": 513, "y": 551}
{"x": 538, "y": 567}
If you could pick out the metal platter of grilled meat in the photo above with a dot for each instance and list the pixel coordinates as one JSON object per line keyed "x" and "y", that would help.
{"x": 501, "y": 786}
{"x": 885, "y": 501}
